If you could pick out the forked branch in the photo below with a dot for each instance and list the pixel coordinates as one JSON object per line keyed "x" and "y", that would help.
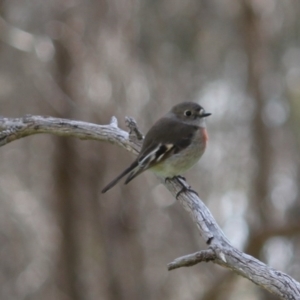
{"x": 220, "y": 250}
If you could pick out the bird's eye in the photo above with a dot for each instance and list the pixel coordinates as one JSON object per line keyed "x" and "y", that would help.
{"x": 188, "y": 113}
{"x": 201, "y": 111}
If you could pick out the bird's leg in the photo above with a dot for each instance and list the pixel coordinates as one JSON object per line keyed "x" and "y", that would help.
{"x": 179, "y": 179}
{"x": 184, "y": 188}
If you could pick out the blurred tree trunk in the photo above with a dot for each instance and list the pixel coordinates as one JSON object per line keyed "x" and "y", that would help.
{"x": 256, "y": 46}
{"x": 64, "y": 175}
{"x": 259, "y": 56}
{"x": 111, "y": 230}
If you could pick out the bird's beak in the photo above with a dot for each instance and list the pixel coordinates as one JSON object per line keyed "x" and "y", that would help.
{"x": 205, "y": 115}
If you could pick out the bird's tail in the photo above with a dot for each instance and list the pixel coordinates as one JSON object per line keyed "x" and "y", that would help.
{"x": 135, "y": 172}
{"x": 125, "y": 172}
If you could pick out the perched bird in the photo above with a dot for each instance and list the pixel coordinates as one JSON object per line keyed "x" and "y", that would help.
{"x": 172, "y": 145}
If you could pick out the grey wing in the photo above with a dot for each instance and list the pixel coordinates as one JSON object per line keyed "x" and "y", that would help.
{"x": 162, "y": 140}
{"x": 169, "y": 133}
{"x": 150, "y": 157}
{"x": 172, "y": 139}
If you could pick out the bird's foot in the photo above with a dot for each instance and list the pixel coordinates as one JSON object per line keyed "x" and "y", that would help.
{"x": 179, "y": 179}
{"x": 186, "y": 189}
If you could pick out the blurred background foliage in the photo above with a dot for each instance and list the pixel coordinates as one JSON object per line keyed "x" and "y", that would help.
{"x": 60, "y": 238}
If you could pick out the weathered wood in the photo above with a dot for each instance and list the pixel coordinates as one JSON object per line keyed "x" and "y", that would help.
{"x": 220, "y": 250}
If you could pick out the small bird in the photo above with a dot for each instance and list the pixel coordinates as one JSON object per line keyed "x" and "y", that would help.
{"x": 172, "y": 145}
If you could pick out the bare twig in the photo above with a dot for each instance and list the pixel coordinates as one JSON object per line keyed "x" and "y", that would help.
{"x": 14, "y": 129}
{"x": 192, "y": 259}
{"x": 220, "y": 250}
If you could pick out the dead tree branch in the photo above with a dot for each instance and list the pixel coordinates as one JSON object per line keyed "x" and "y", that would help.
{"x": 220, "y": 250}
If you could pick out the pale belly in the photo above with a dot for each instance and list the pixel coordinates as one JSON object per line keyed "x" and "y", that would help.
{"x": 184, "y": 160}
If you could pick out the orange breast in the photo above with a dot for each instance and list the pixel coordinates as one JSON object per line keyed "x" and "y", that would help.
{"x": 204, "y": 135}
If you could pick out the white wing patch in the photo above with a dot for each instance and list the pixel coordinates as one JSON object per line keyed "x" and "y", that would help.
{"x": 168, "y": 147}
{"x": 155, "y": 155}
{"x": 146, "y": 160}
